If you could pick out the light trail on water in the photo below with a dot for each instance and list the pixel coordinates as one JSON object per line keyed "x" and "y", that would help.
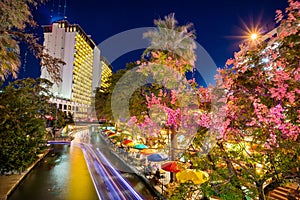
{"x": 117, "y": 187}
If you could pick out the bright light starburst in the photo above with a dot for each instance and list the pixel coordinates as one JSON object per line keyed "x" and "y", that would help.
{"x": 250, "y": 32}
{"x": 253, "y": 36}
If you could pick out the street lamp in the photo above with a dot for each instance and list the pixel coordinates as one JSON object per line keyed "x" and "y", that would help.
{"x": 253, "y": 36}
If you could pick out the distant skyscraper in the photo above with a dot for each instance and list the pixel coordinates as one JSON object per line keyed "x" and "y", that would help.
{"x": 106, "y": 73}
{"x": 82, "y": 72}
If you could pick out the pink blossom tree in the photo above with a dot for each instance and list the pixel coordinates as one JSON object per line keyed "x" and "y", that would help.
{"x": 259, "y": 141}
{"x": 170, "y": 55}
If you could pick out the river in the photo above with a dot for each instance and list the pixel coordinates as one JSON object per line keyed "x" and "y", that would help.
{"x": 63, "y": 175}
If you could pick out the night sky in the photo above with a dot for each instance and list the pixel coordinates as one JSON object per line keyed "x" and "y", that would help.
{"x": 219, "y": 24}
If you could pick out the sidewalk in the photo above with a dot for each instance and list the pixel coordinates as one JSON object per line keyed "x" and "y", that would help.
{"x": 9, "y": 182}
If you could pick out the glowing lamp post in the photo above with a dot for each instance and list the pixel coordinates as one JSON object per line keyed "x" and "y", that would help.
{"x": 253, "y": 36}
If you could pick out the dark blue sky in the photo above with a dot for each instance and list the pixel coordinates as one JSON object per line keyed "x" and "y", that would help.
{"x": 217, "y": 22}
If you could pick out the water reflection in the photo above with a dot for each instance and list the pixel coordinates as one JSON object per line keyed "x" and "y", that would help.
{"x": 62, "y": 175}
{"x": 77, "y": 187}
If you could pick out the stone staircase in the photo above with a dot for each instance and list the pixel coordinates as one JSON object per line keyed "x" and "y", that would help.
{"x": 288, "y": 192}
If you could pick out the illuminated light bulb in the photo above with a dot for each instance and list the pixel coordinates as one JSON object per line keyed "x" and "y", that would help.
{"x": 254, "y": 36}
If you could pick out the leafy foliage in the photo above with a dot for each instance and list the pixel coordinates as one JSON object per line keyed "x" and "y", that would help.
{"x": 172, "y": 45}
{"x": 137, "y": 101}
{"x": 15, "y": 16}
{"x": 258, "y": 141}
{"x": 103, "y": 96}
{"x": 24, "y": 104}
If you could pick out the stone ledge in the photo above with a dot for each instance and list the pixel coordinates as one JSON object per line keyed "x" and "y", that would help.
{"x": 10, "y": 182}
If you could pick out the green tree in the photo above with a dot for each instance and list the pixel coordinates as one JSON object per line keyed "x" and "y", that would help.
{"x": 15, "y": 16}
{"x": 24, "y": 106}
{"x": 137, "y": 104}
{"x": 175, "y": 45}
{"x": 172, "y": 54}
{"x": 103, "y": 96}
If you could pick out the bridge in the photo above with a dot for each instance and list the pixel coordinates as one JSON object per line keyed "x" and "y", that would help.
{"x": 60, "y": 141}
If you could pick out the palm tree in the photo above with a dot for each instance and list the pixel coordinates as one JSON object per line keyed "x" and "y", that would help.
{"x": 176, "y": 42}
{"x": 172, "y": 46}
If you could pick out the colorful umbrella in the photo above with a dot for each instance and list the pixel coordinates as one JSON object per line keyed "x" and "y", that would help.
{"x": 111, "y": 133}
{"x": 148, "y": 151}
{"x": 171, "y": 166}
{"x": 157, "y": 157}
{"x": 140, "y": 146}
{"x": 107, "y": 131}
{"x": 130, "y": 144}
{"x": 112, "y": 136}
{"x": 127, "y": 141}
{"x": 198, "y": 177}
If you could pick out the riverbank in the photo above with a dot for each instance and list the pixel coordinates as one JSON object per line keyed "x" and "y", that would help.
{"x": 8, "y": 183}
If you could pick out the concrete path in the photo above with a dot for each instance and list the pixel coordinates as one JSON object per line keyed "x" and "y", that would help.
{"x": 9, "y": 182}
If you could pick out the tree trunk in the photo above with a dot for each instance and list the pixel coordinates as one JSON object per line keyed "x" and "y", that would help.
{"x": 232, "y": 170}
{"x": 174, "y": 146}
{"x": 211, "y": 160}
{"x": 261, "y": 193}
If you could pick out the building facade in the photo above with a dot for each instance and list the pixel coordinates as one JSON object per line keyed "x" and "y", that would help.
{"x": 81, "y": 73}
{"x": 106, "y": 73}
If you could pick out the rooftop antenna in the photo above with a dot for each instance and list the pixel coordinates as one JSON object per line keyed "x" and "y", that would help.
{"x": 65, "y": 7}
{"x": 58, "y": 11}
{"x": 58, "y": 8}
{"x": 52, "y": 10}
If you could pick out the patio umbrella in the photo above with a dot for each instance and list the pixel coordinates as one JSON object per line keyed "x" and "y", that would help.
{"x": 171, "y": 166}
{"x": 130, "y": 144}
{"x": 107, "y": 131}
{"x": 140, "y": 146}
{"x": 127, "y": 141}
{"x": 111, "y": 133}
{"x": 113, "y": 136}
{"x": 198, "y": 177}
{"x": 148, "y": 151}
{"x": 157, "y": 157}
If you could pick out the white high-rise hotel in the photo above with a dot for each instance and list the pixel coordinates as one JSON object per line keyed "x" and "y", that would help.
{"x": 82, "y": 72}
